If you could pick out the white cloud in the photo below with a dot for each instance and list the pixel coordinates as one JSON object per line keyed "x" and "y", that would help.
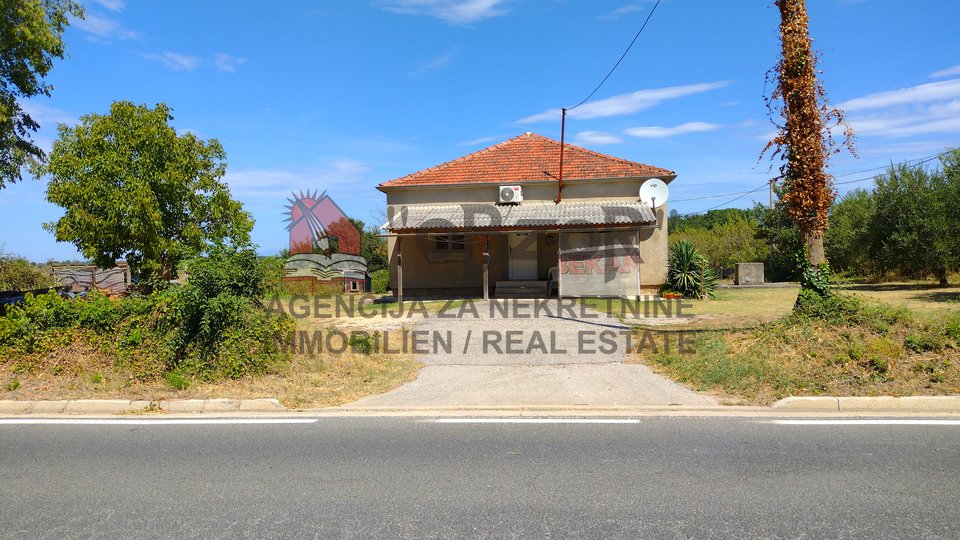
{"x": 625, "y": 103}
{"x": 488, "y": 139}
{"x": 438, "y": 62}
{"x": 923, "y": 93}
{"x": 905, "y": 126}
{"x": 627, "y": 9}
{"x": 907, "y": 112}
{"x": 275, "y": 184}
{"x": 949, "y": 72}
{"x": 176, "y": 61}
{"x": 586, "y": 138}
{"x": 222, "y": 62}
{"x": 103, "y": 27}
{"x": 917, "y": 148}
{"x": 45, "y": 114}
{"x": 226, "y": 63}
{"x": 657, "y": 132}
{"x": 112, "y": 5}
{"x": 451, "y": 11}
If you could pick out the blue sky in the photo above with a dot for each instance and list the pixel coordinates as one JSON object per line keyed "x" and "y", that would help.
{"x": 342, "y": 95}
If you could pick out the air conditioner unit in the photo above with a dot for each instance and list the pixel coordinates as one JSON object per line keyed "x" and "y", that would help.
{"x": 510, "y": 194}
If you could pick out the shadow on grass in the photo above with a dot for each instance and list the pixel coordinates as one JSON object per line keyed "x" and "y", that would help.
{"x": 926, "y": 292}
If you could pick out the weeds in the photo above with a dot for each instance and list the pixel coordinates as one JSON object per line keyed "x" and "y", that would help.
{"x": 836, "y": 344}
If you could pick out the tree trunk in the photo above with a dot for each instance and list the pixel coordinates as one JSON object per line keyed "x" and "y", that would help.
{"x": 942, "y": 276}
{"x": 814, "y": 243}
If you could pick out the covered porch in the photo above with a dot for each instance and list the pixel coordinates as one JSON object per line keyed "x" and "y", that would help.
{"x": 529, "y": 251}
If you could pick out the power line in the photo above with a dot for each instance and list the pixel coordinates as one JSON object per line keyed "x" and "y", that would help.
{"x": 741, "y": 194}
{"x": 624, "y": 55}
{"x": 921, "y": 160}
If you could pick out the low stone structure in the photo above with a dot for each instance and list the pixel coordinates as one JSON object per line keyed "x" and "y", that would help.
{"x": 749, "y": 274}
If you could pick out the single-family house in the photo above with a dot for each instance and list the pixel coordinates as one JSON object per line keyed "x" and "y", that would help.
{"x": 501, "y": 222}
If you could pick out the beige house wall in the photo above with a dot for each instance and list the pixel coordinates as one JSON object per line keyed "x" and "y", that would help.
{"x": 427, "y": 271}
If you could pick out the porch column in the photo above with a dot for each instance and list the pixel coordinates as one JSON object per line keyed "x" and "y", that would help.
{"x": 559, "y": 267}
{"x": 486, "y": 267}
{"x": 399, "y": 270}
{"x": 639, "y": 267}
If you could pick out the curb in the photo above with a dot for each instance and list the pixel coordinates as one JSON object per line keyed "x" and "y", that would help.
{"x": 816, "y": 404}
{"x": 125, "y": 406}
{"x": 917, "y": 404}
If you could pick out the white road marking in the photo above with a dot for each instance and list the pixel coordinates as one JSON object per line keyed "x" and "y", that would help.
{"x": 535, "y": 421}
{"x": 153, "y": 422}
{"x": 878, "y": 422}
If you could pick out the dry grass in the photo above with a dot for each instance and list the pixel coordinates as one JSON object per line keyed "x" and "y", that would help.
{"x": 732, "y": 308}
{"x": 78, "y": 371}
{"x": 923, "y": 298}
{"x": 886, "y": 355}
{"x": 747, "y": 308}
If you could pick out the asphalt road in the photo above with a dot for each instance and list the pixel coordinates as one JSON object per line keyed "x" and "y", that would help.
{"x": 401, "y": 477}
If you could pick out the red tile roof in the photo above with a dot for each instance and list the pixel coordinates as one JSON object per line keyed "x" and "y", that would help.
{"x": 527, "y": 158}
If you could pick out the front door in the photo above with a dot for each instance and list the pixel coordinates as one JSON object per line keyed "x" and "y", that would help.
{"x": 523, "y": 256}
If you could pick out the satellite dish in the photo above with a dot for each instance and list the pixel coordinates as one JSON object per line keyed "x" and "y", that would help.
{"x": 674, "y": 213}
{"x": 654, "y": 192}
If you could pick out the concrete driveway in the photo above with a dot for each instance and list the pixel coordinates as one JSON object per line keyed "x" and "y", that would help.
{"x": 516, "y": 353}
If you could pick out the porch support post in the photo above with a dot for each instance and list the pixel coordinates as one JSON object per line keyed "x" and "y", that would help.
{"x": 639, "y": 266}
{"x": 486, "y": 267}
{"x": 399, "y": 270}
{"x": 559, "y": 267}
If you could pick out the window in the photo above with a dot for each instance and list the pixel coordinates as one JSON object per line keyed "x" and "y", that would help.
{"x": 449, "y": 242}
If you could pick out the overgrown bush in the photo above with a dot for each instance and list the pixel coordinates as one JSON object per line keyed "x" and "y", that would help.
{"x": 19, "y": 274}
{"x": 213, "y": 326}
{"x": 689, "y": 273}
{"x": 380, "y": 281}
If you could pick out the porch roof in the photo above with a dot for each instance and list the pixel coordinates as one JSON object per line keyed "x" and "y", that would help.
{"x": 524, "y": 216}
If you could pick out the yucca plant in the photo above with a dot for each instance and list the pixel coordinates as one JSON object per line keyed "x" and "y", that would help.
{"x": 689, "y": 273}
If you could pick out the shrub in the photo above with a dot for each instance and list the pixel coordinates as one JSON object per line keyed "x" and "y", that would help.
{"x": 689, "y": 273}
{"x": 176, "y": 380}
{"x": 19, "y": 274}
{"x": 882, "y": 353}
{"x": 361, "y": 343}
{"x": 216, "y": 324}
{"x": 834, "y": 309}
{"x": 926, "y": 339}
{"x": 380, "y": 281}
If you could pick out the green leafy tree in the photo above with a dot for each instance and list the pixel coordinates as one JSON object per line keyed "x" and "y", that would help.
{"x": 373, "y": 247}
{"x": 30, "y": 39}
{"x": 915, "y": 224}
{"x": 778, "y": 231}
{"x": 726, "y": 242}
{"x": 851, "y": 233}
{"x": 133, "y": 189}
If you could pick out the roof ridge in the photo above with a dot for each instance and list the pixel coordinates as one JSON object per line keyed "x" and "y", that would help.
{"x": 463, "y": 158}
{"x": 521, "y": 155}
